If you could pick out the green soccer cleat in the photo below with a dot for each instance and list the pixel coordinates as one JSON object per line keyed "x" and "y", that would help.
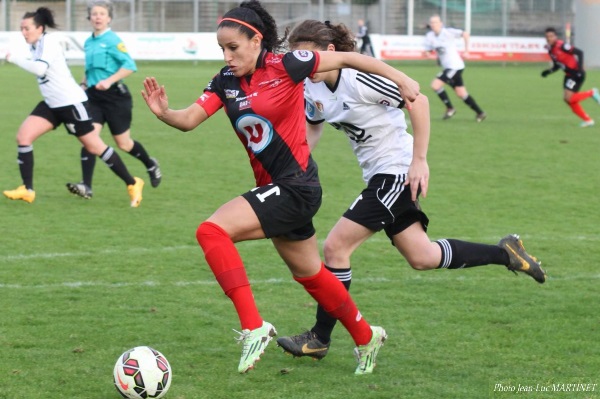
{"x": 596, "y": 95}
{"x": 520, "y": 260}
{"x": 254, "y": 343}
{"x": 367, "y": 354}
{"x": 80, "y": 190}
{"x": 305, "y": 344}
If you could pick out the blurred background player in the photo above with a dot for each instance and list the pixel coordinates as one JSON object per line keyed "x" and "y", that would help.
{"x": 368, "y": 109}
{"x": 570, "y": 60}
{"x": 363, "y": 34}
{"x": 441, "y": 39}
{"x": 65, "y": 102}
{"x": 107, "y": 63}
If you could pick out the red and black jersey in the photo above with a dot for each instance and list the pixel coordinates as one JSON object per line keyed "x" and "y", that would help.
{"x": 566, "y": 57}
{"x": 266, "y": 109}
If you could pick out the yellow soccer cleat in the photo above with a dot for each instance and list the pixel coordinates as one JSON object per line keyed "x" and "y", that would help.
{"x": 135, "y": 192}
{"x": 21, "y": 193}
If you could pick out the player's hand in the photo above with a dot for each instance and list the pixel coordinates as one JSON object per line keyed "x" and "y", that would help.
{"x": 418, "y": 178}
{"x": 466, "y": 55}
{"x": 155, "y": 97}
{"x": 410, "y": 89}
{"x": 103, "y": 85}
{"x": 546, "y": 72}
{"x": 7, "y": 57}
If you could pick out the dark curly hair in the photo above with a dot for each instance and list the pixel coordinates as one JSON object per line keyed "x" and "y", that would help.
{"x": 322, "y": 34}
{"x": 252, "y": 12}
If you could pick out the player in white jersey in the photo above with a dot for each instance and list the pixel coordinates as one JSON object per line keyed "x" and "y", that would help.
{"x": 442, "y": 40}
{"x": 65, "y": 102}
{"x": 368, "y": 109}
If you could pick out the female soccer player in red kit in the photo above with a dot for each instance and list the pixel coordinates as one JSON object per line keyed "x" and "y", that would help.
{"x": 262, "y": 93}
{"x": 570, "y": 59}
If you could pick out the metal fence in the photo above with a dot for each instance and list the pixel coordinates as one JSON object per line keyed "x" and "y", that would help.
{"x": 487, "y": 17}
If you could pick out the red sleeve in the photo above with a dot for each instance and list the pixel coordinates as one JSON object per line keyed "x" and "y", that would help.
{"x": 210, "y": 102}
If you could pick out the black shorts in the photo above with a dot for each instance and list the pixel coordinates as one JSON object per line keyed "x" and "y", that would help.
{"x": 76, "y": 117}
{"x": 572, "y": 83}
{"x": 113, "y": 107}
{"x": 386, "y": 204}
{"x": 285, "y": 210}
{"x": 451, "y": 77}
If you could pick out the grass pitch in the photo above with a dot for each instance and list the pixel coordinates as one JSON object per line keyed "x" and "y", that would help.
{"x": 82, "y": 281}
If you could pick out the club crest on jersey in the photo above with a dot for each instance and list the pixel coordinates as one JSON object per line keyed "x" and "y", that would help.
{"x": 256, "y": 130}
{"x": 319, "y": 106}
{"x": 385, "y": 102}
{"x": 231, "y": 93}
{"x": 310, "y": 110}
{"x": 303, "y": 55}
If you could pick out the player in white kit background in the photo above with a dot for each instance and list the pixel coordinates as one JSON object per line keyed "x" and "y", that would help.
{"x": 368, "y": 110}
{"x": 442, "y": 40}
{"x": 64, "y": 102}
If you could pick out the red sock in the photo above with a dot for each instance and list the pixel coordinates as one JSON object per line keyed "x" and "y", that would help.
{"x": 577, "y": 97}
{"x": 228, "y": 268}
{"x": 578, "y": 110}
{"x": 331, "y": 294}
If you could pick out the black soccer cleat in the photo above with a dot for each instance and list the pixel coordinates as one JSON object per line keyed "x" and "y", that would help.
{"x": 305, "y": 344}
{"x": 520, "y": 260}
{"x": 155, "y": 173}
{"x": 449, "y": 113}
{"x": 80, "y": 189}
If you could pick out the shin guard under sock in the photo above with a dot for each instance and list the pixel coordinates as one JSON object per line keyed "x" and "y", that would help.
{"x": 227, "y": 266}
{"x": 331, "y": 294}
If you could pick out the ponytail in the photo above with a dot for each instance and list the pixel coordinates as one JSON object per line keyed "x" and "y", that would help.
{"x": 43, "y": 16}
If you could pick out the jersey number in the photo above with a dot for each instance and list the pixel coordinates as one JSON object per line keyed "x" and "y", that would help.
{"x": 354, "y": 133}
{"x": 263, "y": 196}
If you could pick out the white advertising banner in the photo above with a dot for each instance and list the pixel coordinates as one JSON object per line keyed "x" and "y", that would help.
{"x": 203, "y": 46}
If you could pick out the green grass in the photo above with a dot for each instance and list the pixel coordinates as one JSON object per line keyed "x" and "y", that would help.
{"x": 82, "y": 281}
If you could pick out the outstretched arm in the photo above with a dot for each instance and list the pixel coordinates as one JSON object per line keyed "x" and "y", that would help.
{"x": 183, "y": 119}
{"x": 332, "y": 60}
{"x": 418, "y": 172}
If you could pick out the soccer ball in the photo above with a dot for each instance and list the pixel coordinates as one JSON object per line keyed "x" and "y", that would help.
{"x": 142, "y": 372}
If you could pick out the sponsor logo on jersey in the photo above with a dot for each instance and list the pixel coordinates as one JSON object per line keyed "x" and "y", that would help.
{"x": 231, "y": 93}
{"x": 245, "y": 104}
{"x": 272, "y": 83}
{"x": 303, "y": 55}
{"x": 319, "y": 106}
{"x": 121, "y": 47}
{"x": 345, "y": 106}
{"x": 310, "y": 110}
{"x": 257, "y": 131}
{"x": 385, "y": 102}
{"x": 246, "y": 97}
{"x": 228, "y": 73}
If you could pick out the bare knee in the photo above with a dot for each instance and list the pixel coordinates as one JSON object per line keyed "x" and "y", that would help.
{"x": 336, "y": 254}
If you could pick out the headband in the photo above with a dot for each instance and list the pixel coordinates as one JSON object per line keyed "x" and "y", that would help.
{"x": 247, "y": 25}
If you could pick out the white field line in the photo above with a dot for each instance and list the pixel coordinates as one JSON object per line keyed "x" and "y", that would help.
{"x": 123, "y": 252}
{"x": 275, "y": 281}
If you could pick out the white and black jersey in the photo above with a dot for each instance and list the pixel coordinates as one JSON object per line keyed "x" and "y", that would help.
{"x": 445, "y": 47}
{"x": 57, "y": 85}
{"x": 367, "y": 108}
